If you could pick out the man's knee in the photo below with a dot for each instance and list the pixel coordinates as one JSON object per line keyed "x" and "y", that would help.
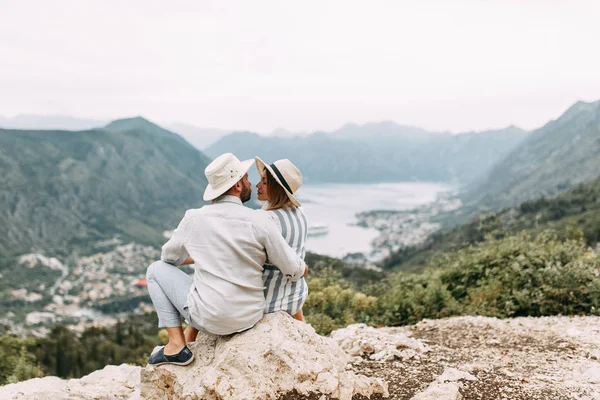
{"x": 151, "y": 268}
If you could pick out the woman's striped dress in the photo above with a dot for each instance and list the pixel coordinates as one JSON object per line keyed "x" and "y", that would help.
{"x": 281, "y": 294}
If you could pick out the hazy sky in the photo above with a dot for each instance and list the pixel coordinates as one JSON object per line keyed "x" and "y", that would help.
{"x": 302, "y": 65}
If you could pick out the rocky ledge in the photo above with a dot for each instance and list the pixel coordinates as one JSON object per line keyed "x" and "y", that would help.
{"x": 112, "y": 382}
{"x": 448, "y": 359}
{"x": 279, "y": 358}
{"x": 485, "y": 358}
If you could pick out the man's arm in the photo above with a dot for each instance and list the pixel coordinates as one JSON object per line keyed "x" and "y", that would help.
{"x": 174, "y": 252}
{"x": 281, "y": 255}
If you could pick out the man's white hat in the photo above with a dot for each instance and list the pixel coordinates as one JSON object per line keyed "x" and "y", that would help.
{"x": 285, "y": 173}
{"x": 222, "y": 173}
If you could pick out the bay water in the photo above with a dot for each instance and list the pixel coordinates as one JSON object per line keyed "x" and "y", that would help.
{"x": 335, "y": 206}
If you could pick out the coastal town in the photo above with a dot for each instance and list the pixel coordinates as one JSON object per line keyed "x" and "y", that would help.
{"x": 94, "y": 290}
{"x": 398, "y": 229}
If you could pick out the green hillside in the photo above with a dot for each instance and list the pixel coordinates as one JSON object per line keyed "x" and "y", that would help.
{"x": 60, "y": 189}
{"x": 573, "y": 213}
{"x": 553, "y": 158}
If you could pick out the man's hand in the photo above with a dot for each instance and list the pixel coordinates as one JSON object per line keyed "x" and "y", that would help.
{"x": 305, "y": 270}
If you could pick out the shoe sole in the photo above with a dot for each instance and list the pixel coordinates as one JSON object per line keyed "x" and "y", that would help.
{"x": 183, "y": 364}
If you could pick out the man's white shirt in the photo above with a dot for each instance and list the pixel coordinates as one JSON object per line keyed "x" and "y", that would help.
{"x": 229, "y": 244}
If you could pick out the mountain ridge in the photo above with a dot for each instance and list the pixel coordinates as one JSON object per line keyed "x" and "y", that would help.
{"x": 377, "y": 156}
{"x": 65, "y": 188}
{"x": 560, "y": 154}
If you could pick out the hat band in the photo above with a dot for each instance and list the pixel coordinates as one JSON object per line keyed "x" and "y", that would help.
{"x": 281, "y": 178}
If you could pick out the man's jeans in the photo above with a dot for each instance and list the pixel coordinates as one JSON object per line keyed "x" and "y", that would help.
{"x": 169, "y": 287}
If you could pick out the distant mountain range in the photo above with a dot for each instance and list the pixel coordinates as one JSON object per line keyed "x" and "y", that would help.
{"x": 379, "y": 152}
{"x": 135, "y": 179}
{"x": 385, "y": 130}
{"x": 59, "y": 189}
{"x": 559, "y": 155}
{"x": 50, "y": 122}
{"x": 199, "y": 137}
{"x": 497, "y": 169}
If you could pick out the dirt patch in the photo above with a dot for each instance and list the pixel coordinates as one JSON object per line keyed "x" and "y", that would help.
{"x": 294, "y": 395}
{"x": 525, "y": 358}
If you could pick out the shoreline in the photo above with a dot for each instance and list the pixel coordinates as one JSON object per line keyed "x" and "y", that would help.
{"x": 403, "y": 228}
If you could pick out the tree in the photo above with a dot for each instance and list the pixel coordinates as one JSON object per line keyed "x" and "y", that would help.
{"x": 25, "y": 368}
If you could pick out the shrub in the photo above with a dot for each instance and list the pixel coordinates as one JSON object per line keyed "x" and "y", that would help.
{"x": 514, "y": 276}
{"x": 333, "y": 303}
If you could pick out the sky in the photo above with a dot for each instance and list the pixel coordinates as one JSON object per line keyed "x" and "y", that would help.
{"x": 304, "y": 66}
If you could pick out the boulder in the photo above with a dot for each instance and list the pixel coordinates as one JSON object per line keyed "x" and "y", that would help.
{"x": 378, "y": 344}
{"x": 446, "y": 386}
{"x": 111, "y": 382}
{"x": 278, "y": 358}
{"x": 440, "y": 391}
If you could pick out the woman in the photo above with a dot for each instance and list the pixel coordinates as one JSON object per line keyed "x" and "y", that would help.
{"x": 279, "y": 181}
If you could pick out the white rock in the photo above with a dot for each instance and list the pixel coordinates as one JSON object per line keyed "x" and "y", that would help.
{"x": 440, "y": 391}
{"x": 584, "y": 373}
{"x": 592, "y": 374}
{"x": 112, "y": 382}
{"x": 381, "y": 344}
{"x": 445, "y": 387}
{"x": 275, "y": 357}
{"x": 120, "y": 380}
{"x": 453, "y": 375}
{"x": 48, "y": 388}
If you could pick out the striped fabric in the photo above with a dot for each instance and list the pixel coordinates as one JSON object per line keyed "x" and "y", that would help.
{"x": 281, "y": 294}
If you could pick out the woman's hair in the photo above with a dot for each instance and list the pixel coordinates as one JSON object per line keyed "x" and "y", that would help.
{"x": 278, "y": 198}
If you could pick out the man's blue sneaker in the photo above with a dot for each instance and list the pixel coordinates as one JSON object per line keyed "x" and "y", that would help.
{"x": 184, "y": 357}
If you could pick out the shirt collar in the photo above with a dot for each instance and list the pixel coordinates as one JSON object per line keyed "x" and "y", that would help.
{"x": 228, "y": 199}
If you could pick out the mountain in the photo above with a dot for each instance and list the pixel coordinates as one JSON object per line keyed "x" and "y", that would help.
{"x": 554, "y": 157}
{"x": 282, "y": 132}
{"x": 469, "y": 155}
{"x": 62, "y": 188}
{"x": 201, "y": 138}
{"x": 313, "y": 154}
{"x": 385, "y": 131}
{"x": 59, "y": 122}
{"x": 378, "y": 152}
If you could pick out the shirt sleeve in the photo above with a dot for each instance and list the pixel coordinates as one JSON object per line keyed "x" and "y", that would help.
{"x": 174, "y": 251}
{"x": 280, "y": 254}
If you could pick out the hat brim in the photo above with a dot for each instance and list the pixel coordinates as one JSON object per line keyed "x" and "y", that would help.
{"x": 261, "y": 166}
{"x": 211, "y": 193}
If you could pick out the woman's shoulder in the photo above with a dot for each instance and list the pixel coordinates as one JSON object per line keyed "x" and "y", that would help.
{"x": 286, "y": 210}
{"x": 274, "y": 215}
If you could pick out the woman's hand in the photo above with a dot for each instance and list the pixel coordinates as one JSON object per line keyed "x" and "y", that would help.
{"x": 188, "y": 261}
{"x": 305, "y": 270}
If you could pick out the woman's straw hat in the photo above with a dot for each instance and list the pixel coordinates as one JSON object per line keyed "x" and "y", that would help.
{"x": 285, "y": 173}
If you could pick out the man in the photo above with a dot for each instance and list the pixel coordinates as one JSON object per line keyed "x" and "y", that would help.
{"x": 229, "y": 244}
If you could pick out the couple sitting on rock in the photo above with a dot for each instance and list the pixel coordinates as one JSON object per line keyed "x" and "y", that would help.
{"x": 248, "y": 262}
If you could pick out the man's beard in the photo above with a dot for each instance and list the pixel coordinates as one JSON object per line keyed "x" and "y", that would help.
{"x": 246, "y": 194}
